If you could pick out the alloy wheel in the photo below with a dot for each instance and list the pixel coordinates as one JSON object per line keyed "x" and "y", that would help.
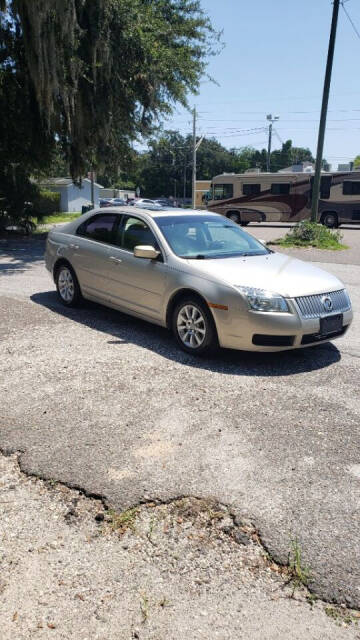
{"x": 191, "y": 326}
{"x": 66, "y": 284}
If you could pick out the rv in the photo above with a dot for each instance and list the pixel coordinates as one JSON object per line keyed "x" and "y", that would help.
{"x": 285, "y": 197}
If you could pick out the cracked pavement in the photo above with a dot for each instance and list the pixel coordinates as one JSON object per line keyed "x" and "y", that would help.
{"x": 107, "y": 403}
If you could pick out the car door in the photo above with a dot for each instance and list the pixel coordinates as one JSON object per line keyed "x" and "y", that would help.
{"x": 137, "y": 284}
{"x": 91, "y": 254}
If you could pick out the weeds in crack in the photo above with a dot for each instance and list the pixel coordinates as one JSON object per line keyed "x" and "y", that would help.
{"x": 144, "y": 608}
{"x": 299, "y": 574}
{"x": 121, "y": 522}
{"x": 151, "y": 529}
{"x": 341, "y": 616}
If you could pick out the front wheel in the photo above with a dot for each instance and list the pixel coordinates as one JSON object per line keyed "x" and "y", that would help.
{"x": 193, "y": 326}
{"x": 330, "y": 220}
{"x": 67, "y": 286}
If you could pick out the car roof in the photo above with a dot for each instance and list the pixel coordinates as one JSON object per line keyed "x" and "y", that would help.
{"x": 145, "y": 214}
{"x": 171, "y": 211}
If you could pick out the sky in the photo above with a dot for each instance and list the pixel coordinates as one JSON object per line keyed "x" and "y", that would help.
{"x": 274, "y": 62}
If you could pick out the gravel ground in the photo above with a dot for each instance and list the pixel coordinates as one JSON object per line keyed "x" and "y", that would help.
{"x": 109, "y": 404}
{"x": 70, "y": 569}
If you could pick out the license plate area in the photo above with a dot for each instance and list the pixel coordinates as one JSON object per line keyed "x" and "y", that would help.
{"x": 331, "y": 324}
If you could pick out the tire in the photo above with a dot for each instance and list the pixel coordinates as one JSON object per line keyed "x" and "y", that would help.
{"x": 193, "y": 326}
{"x": 67, "y": 286}
{"x": 234, "y": 217}
{"x": 244, "y": 223}
{"x": 330, "y": 220}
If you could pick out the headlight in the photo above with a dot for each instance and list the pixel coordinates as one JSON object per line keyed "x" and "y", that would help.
{"x": 261, "y": 300}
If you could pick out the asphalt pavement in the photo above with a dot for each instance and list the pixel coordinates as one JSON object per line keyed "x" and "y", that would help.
{"x": 107, "y": 403}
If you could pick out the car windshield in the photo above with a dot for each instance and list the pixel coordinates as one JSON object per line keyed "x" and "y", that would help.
{"x": 202, "y": 236}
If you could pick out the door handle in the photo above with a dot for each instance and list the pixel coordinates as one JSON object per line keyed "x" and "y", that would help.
{"x": 115, "y": 259}
{"x": 74, "y": 246}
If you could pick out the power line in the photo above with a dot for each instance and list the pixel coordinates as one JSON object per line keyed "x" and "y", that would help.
{"x": 350, "y": 20}
{"x": 307, "y": 120}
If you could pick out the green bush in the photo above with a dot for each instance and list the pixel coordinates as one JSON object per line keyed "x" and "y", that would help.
{"x": 46, "y": 203}
{"x": 311, "y": 234}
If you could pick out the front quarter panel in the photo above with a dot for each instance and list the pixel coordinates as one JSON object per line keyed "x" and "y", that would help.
{"x": 216, "y": 294}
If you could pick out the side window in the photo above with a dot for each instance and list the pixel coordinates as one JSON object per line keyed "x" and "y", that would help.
{"x": 251, "y": 189}
{"x": 135, "y": 232}
{"x": 100, "y": 228}
{"x": 351, "y": 187}
{"x": 280, "y": 188}
{"x": 223, "y": 191}
{"x": 325, "y": 186}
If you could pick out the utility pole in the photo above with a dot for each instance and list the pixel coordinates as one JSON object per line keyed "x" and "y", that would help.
{"x": 185, "y": 159}
{"x": 92, "y": 187}
{"x": 272, "y": 120}
{"x": 194, "y": 161}
{"x": 324, "y": 106}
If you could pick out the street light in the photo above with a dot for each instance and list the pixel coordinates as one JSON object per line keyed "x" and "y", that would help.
{"x": 271, "y": 119}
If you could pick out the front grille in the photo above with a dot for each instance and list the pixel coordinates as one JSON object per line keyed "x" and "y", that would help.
{"x": 312, "y": 306}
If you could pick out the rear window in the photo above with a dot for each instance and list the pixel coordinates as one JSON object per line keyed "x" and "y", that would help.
{"x": 100, "y": 228}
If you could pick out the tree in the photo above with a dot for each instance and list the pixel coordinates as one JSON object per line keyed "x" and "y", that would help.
{"x": 85, "y": 78}
{"x": 104, "y": 71}
{"x": 166, "y": 166}
{"x": 357, "y": 162}
{"x": 162, "y": 168}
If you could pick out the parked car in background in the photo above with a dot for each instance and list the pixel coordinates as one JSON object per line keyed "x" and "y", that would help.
{"x": 104, "y": 202}
{"x": 118, "y": 202}
{"x": 146, "y": 203}
{"x": 198, "y": 274}
{"x": 166, "y": 202}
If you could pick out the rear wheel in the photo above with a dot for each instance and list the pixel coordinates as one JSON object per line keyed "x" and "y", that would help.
{"x": 67, "y": 286}
{"x": 330, "y": 220}
{"x": 193, "y": 326}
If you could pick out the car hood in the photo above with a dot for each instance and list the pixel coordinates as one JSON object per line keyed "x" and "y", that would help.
{"x": 274, "y": 272}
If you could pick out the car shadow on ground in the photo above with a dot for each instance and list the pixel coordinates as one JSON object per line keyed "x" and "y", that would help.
{"x": 124, "y": 329}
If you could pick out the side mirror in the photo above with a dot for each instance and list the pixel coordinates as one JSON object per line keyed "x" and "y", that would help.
{"x": 146, "y": 251}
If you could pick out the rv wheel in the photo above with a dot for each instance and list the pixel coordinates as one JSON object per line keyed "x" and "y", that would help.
{"x": 330, "y": 220}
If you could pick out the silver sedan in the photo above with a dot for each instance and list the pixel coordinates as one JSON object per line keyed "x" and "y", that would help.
{"x": 200, "y": 275}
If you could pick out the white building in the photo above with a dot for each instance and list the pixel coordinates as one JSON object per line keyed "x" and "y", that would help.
{"x": 126, "y": 194}
{"x": 72, "y": 196}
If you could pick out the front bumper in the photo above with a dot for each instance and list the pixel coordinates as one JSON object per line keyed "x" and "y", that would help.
{"x": 236, "y": 329}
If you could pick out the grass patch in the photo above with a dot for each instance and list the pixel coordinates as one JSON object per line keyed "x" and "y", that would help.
{"x": 56, "y": 218}
{"x": 311, "y": 234}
